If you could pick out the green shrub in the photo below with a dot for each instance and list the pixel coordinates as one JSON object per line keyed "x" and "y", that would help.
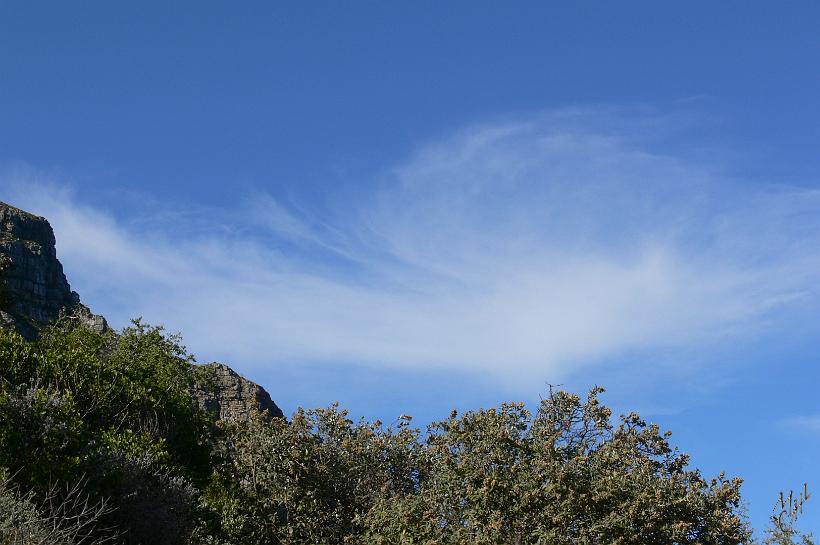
{"x": 100, "y": 432}
{"x": 114, "y": 408}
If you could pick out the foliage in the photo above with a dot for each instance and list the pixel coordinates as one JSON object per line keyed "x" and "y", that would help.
{"x": 64, "y": 517}
{"x": 786, "y": 512}
{"x": 314, "y": 480}
{"x": 38, "y": 424}
{"x": 113, "y": 411}
{"x": 154, "y": 504}
{"x": 99, "y": 431}
{"x": 566, "y": 475}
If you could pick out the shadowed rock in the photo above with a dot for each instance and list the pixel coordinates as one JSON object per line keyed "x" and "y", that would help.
{"x": 35, "y": 281}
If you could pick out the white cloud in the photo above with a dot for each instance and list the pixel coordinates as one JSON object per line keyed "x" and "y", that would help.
{"x": 521, "y": 249}
{"x": 802, "y": 423}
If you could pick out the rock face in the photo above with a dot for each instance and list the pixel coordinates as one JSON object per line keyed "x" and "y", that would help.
{"x": 40, "y": 294}
{"x": 35, "y": 280}
{"x": 232, "y": 397}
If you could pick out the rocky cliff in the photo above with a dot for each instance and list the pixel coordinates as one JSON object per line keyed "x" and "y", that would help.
{"x": 231, "y": 396}
{"x": 39, "y": 294}
{"x": 34, "y": 281}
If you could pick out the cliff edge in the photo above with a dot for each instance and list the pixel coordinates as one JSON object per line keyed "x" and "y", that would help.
{"x": 34, "y": 281}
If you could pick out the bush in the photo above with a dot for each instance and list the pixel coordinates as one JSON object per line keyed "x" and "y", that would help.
{"x": 151, "y": 504}
{"x": 41, "y": 434}
{"x": 64, "y": 517}
{"x": 114, "y": 408}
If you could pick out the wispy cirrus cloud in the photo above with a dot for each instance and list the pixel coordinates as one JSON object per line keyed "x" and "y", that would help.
{"x": 803, "y": 423}
{"x": 524, "y": 249}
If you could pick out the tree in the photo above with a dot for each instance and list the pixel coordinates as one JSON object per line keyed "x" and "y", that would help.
{"x": 566, "y": 475}
{"x": 787, "y": 510}
{"x": 315, "y": 479}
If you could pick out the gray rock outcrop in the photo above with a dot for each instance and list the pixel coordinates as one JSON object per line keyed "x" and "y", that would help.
{"x": 224, "y": 392}
{"x": 35, "y": 280}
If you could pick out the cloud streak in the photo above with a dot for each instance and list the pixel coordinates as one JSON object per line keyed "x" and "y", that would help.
{"x": 523, "y": 249}
{"x": 803, "y": 423}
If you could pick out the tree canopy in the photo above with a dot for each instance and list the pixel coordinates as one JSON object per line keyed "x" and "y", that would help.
{"x": 102, "y": 441}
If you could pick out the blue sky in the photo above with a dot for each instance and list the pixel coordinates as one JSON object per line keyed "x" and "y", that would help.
{"x": 414, "y": 207}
